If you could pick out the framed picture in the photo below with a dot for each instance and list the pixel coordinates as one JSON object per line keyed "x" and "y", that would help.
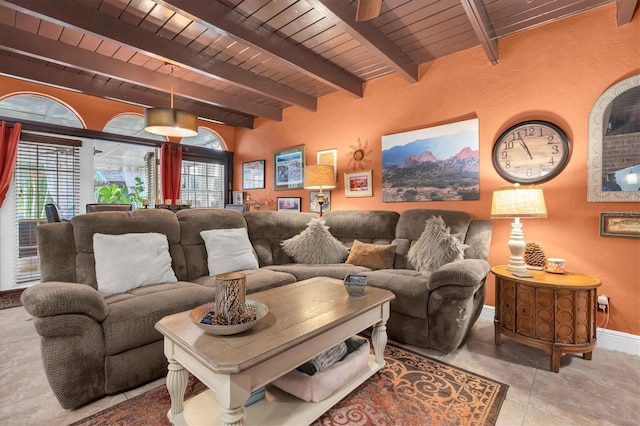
{"x": 439, "y": 163}
{"x": 289, "y": 204}
{"x": 314, "y": 207}
{"x": 625, "y": 224}
{"x": 358, "y": 184}
{"x": 237, "y": 198}
{"x": 253, "y": 174}
{"x": 288, "y": 168}
{"x": 330, "y": 157}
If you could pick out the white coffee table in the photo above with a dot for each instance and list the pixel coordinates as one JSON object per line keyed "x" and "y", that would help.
{"x": 304, "y": 319}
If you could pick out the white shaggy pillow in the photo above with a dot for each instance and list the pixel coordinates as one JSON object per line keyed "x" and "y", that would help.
{"x": 435, "y": 247}
{"x": 315, "y": 245}
{"x": 228, "y": 250}
{"x": 128, "y": 261}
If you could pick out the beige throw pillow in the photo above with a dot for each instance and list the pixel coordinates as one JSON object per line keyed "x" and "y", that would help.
{"x": 228, "y": 250}
{"x": 374, "y": 256}
{"x": 435, "y": 247}
{"x": 315, "y": 245}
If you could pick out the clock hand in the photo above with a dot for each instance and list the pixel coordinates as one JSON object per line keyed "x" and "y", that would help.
{"x": 526, "y": 148}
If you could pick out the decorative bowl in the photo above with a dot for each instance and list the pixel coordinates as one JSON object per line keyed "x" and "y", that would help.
{"x": 197, "y": 314}
{"x": 355, "y": 284}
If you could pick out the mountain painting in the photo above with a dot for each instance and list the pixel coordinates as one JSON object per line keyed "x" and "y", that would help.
{"x": 438, "y": 163}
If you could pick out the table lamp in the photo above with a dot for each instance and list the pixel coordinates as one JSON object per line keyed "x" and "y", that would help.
{"x": 517, "y": 202}
{"x": 319, "y": 176}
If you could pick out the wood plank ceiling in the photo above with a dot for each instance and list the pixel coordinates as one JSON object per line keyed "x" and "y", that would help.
{"x": 241, "y": 59}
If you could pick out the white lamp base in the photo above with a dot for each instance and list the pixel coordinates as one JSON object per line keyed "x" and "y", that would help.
{"x": 517, "y": 247}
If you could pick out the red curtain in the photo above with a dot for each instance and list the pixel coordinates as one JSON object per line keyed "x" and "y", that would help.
{"x": 9, "y": 137}
{"x": 170, "y": 171}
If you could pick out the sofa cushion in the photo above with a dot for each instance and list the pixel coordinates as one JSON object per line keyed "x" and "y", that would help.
{"x": 435, "y": 247}
{"x": 257, "y": 279}
{"x": 409, "y": 287}
{"x": 128, "y": 261}
{"x": 303, "y": 271}
{"x": 374, "y": 256}
{"x": 367, "y": 226}
{"x": 228, "y": 250}
{"x": 315, "y": 245}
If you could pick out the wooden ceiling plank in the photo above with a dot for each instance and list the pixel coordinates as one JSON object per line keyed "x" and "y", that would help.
{"x": 365, "y": 32}
{"x": 218, "y": 17}
{"x": 625, "y": 10}
{"x": 70, "y": 13}
{"x": 23, "y": 69}
{"x": 22, "y": 42}
{"x": 477, "y": 16}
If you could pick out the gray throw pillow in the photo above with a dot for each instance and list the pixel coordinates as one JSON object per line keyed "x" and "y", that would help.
{"x": 315, "y": 245}
{"x": 435, "y": 247}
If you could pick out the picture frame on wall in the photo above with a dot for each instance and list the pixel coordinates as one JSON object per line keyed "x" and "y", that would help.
{"x": 288, "y": 168}
{"x": 314, "y": 206}
{"x": 253, "y": 174}
{"x": 329, "y": 157}
{"x": 289, "y": 204}
{"x": 358, "y": 184}
{"x": 237, "y": 198}
{"x": 623, "y": 224}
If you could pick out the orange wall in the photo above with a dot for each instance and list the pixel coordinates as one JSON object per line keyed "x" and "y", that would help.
{"x": 96, "y": 112}
{"x": 554, "y": 73}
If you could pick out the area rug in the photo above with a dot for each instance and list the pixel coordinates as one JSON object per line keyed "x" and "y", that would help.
{"x": 412, "y": 389}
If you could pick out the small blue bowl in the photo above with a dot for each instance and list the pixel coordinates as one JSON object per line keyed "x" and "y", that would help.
{"x": 355, "y": 284}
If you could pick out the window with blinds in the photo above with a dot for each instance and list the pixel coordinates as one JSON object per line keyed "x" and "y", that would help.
{"x": 202, "y": 182}
{"x": 45, "y": 173}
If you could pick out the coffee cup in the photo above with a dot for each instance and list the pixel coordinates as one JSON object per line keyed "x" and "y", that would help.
{"x": 555, "y": 265}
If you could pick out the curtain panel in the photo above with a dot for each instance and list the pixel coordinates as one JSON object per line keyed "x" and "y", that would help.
{"x": 9, "y": 137}
{"x": 170, "y": 171}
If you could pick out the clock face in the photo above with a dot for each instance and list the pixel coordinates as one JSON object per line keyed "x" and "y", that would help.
{"x": 531, "y": 152}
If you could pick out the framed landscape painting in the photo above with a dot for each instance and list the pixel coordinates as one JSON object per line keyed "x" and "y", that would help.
{"x": 438, "y": 163}
{"x": 288, "y": 168}
{"x": 358, "y": 184}
{"x": 253, "y": 174}
{"x": 289, "y": 204}
{"x": 314, "y": 206}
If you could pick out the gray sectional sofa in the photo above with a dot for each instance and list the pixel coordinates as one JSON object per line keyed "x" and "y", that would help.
{"x": 94, "y": 345}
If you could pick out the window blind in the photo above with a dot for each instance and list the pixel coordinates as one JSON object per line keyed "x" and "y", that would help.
{"x": 202, "y": 182}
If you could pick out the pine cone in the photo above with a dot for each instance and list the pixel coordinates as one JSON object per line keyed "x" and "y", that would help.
{"x": 534, "y": 256}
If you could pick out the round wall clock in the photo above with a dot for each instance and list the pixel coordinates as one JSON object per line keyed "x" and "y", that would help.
{"x": 531, "y": 152}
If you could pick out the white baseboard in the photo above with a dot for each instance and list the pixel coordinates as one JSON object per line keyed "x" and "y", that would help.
{"x": 607, "y": 339}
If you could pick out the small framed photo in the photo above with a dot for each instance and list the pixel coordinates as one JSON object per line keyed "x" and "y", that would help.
{"x": 237, "y": 198}
{"x": 329, "y": 157}
{"x": 623, "y": 224}
{"x": 288, "y": 168}
{"x": 358, "y": 184}
{"x": 253, "y": 174}
{"x": 314, "y": 206}
{"x": 289, "y": 204}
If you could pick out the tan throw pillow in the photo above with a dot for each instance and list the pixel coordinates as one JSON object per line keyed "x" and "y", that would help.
{"x": 315, "y": 245}
{"x": 435, "y": 247}
{"x": 374, "y": 256}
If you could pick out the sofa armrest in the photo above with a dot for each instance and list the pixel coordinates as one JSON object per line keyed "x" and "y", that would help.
{"x": 58, "y": 298}
{"x": 466, "y": 272}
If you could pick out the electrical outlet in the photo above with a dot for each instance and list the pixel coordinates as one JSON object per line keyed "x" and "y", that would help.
{"x": 603, "y": 303}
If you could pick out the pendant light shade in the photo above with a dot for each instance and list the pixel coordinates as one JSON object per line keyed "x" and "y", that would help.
{"x": 170, "y": 121}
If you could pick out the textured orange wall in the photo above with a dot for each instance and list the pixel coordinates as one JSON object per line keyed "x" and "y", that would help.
{"x": 96, "y": 112}
{"x": 554, "y": 73}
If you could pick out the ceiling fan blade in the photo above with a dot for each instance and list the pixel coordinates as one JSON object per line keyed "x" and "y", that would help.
{"x": 368, "y": 9}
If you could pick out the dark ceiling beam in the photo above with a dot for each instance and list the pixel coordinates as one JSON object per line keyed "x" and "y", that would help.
{"x": 477, "y": 17}
{"x": 15, "y": 66}
{"x": 625, "y": 10}
{"x": 70, "y": 13}
{"x": 220, "y": 18}
{"x": 343, "y": 14}
{"x": 32, "y": 45}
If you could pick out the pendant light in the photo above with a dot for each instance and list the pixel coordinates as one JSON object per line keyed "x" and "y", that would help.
{"x": 170, "y": 121}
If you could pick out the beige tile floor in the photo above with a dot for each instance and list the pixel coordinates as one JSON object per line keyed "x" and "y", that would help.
{"x": 604, "y": 391}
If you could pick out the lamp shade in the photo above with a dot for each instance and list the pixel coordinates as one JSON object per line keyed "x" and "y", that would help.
{"x": 319, "y": 176}
{"x": 518, "y": 201}
{"x": 170, "y": 122}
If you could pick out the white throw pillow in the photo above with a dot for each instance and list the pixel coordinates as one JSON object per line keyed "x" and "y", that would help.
{"x": 128, "y": 261}
{"x": 229, "y": 250}
{"x": 315, "y": 245}
{"x": 435, "y": 247}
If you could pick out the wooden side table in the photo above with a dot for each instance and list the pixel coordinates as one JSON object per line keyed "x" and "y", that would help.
{"x": 553, "y": 312}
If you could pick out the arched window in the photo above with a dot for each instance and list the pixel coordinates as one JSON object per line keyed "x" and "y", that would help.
{"x": 40, "y": 108}
{"x": 130, "y": 125}
{"x": 205, "y": 139}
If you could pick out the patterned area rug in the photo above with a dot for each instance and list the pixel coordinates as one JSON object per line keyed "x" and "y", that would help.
{"x": 412, "y": 389}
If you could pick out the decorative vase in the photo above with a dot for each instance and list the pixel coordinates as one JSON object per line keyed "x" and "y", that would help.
{"x": 355, "y": 284}
{"x": 230, "y": 296}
